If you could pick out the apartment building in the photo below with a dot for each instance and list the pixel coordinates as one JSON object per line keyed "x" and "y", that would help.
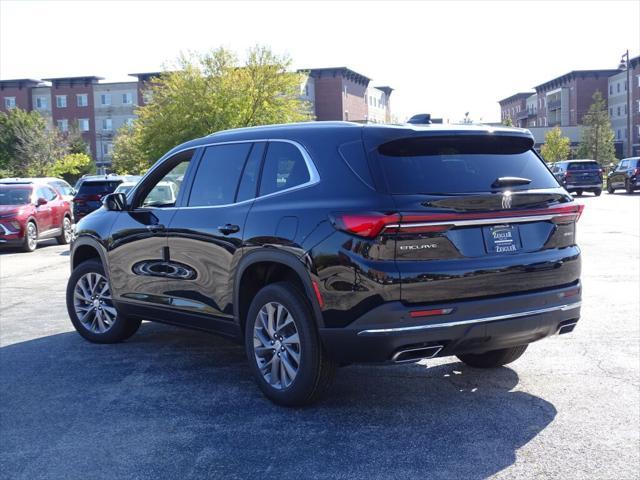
{"x": 619, "y": 108}
{"x": 342, "y": 94}
{"x": 515, "y": 108}
{"x": 99, "y": 109}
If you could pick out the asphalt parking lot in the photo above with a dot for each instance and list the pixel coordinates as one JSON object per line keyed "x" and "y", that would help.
{"x": 172, "y": 403}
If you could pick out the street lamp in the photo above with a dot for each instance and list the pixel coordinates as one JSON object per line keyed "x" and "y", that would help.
{"x": 625, "y": 65}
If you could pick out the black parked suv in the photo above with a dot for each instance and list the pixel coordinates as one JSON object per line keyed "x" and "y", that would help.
{"x": 579, "y": 176}
{"x": 90, "y": 190}
{"x": 323, "y": 244}
{"x": 626, "y": 175}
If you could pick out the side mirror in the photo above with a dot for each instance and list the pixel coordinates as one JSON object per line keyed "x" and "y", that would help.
{"x": 115, "y": 202}
{"x": 41, "y": 201}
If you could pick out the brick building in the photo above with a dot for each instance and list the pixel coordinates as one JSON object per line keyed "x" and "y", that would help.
{"x": 98, "y": 109}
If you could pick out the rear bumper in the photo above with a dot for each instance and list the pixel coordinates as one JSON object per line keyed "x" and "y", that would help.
{"x": 472, "y": 326}
{"x": 587, "y": 186}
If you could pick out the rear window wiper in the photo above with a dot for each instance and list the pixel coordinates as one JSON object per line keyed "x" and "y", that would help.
{"x": 509, "y": 181}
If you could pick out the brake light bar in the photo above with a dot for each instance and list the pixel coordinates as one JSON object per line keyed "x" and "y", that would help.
{"x": 370, "y": 225}
{"x": 429, "y": 313}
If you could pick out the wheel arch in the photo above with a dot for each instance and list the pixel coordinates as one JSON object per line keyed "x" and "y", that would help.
{"x": 85, "y": 249}
{"x": 260, "y": 268}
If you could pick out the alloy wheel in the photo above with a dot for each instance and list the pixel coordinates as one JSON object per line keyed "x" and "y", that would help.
{"x": 276, "y": 345}
{"x": 92, "y": 303}
{"x": 66, "y": 229}
{"x": 32, "y": 236}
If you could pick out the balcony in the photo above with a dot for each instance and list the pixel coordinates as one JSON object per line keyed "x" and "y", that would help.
{"x": 526, "y": 113}
{"x": 554, "y": 104}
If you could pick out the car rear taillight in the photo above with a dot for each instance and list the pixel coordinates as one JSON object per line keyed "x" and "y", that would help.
{"x": 368, "y": 225}
{"x": 636, "y": 171}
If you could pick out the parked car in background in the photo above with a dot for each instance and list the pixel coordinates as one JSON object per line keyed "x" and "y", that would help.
{"x": 328, "y": 243}
{"x": 62, "y": 186}
{"x": 579, "y": 176}
{"x": 626, "y": 175}
{"x": 125, "y": 187}
{"x": 91, "y": 189}
{"x": 31, "y": 212}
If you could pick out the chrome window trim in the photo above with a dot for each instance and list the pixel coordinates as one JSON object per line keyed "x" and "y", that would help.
{"x": 314, "y": 176}
{"x": 383, "y": 331}
{"x": 484, "y": 221}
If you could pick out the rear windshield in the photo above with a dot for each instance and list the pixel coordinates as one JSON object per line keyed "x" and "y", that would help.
{"x": 583, "y": 166}
{"x": 451, "y": 166}
{"x": 98, "y": 188}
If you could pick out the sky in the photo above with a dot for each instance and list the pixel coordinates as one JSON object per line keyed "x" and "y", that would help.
{"x": 444, "y": 58}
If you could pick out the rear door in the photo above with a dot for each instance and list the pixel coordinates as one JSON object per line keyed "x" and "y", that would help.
{"x": 477, "y": 216}
{"x": 45, "y": 213}
{"x": 206, "y": 235}
{"x": 618, "y": 177}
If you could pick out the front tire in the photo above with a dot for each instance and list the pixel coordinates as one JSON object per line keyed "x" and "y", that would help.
{"x": 493, "y": 358}
{"x": 284, "y": 349}
{"x": 610, "y": 189}
{"x": 65, "y": 236}
{"x": 30, "y": 237}
{"x": 628, "y": 187}
{"x": 91, "y": 308}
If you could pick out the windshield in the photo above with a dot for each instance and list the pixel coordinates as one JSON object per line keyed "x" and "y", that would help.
{"x": 455, "y": 166}
{"x": 14, "y": 195}
{"x": 97, "y": 188}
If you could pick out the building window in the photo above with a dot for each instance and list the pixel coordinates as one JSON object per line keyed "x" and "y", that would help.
{"x": 10, "y": 102}
{"x": 638, "y": 106}
{"x": 147, "y": 96}
{"x": 129, "y": 122}
{"x": 611, "y": 111}
{"x": 618, "y": 110}
{"x": 83, "y": 124}
{"x": 42, "y": 102}
{"x": 618, "y": 87}
{"x": 63, "y": 124}
{"x": 107, "y": 148}
{"x": 617, "y": 134}
{"x": 107, "y": 124}
{"x": 61, "y": 101}
{"x": 625, "y": 109}
{"x": 610, "y": 89}
{"x": 83, "y": 99}
{"x": 127, "y": 99}
{"x": 105, "y": 99}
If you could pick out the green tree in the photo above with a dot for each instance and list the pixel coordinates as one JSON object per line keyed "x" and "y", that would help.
{"x": 556, "y": 147}
{"x": 207, "y": 93}
{"x": 37, "y": 149}
{"x": 597, "y": 137}
{"x": 128, "y": 153}
{"x": 14, "y": 125}
{"x": 508, "y": 122}
{"x": 75, "y": 142}
{"x": 71, "y": 167}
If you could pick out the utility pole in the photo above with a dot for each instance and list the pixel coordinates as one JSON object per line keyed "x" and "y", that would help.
{"x": 626, "y": 65}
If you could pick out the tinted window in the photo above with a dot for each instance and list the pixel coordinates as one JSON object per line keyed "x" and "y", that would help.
{"x": 98, "y": 188}
{"x": 452, "y": 166}
{"x": 354, "y": 155}
{"x": 14, "y": 195}
{"x": 63, "y": 188}
{"x": 584, "y": 166}
{"x": 165, "y": 192}
{"x": 217, "y": 177}
{"x": 283, "y": 168}
{"x": 249, "y": 182}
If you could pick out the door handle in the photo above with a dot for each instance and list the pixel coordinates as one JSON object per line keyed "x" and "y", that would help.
{"x": 229, "y": 229}
{"x": 156, "y": 228}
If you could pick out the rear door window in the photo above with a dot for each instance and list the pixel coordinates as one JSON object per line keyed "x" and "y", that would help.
{"x": 249, "y": 181}
{"x": 216, "y": 179}
{"x": 453, "y": 165}
{"x": 284, "y": 168}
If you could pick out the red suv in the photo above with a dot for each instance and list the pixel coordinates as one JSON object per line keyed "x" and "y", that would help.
{"x": 32, "y": 211}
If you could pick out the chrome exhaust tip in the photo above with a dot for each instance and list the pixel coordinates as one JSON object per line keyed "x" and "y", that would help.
{"x": 415, "y": 354}
{"x": 567, "y": 328}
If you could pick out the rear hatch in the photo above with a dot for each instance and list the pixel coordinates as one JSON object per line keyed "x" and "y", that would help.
{"x": 90, "y": 193}
{"x": 477, "y": 216}
{"x": 583, "y": 173}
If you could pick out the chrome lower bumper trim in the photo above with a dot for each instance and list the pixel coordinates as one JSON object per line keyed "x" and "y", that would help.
{"x": 558, "y": 308}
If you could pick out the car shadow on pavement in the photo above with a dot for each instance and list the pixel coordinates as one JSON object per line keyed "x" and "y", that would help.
{"x": 172, "y": 403}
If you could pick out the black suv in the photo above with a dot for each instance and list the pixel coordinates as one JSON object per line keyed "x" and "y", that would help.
{"x": 90, "y": 190}
{"x": 626, "y": 175}
{"x": 323, "y": 244}
{"x": 579, "y": 176}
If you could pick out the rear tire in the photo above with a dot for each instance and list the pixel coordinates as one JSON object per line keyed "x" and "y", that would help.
{"x": 90, "y": 308}
{"x": 628, "y": 187}
{"x": 493, "y": 358}
{"x": 65, "y": 236}
{"x": 284, "y": 349}
{"x": 579, "y": 193}
{"x": 30, "y": 237}
{"x": 597, "y": 192}
{"x": 610, "y": 189}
